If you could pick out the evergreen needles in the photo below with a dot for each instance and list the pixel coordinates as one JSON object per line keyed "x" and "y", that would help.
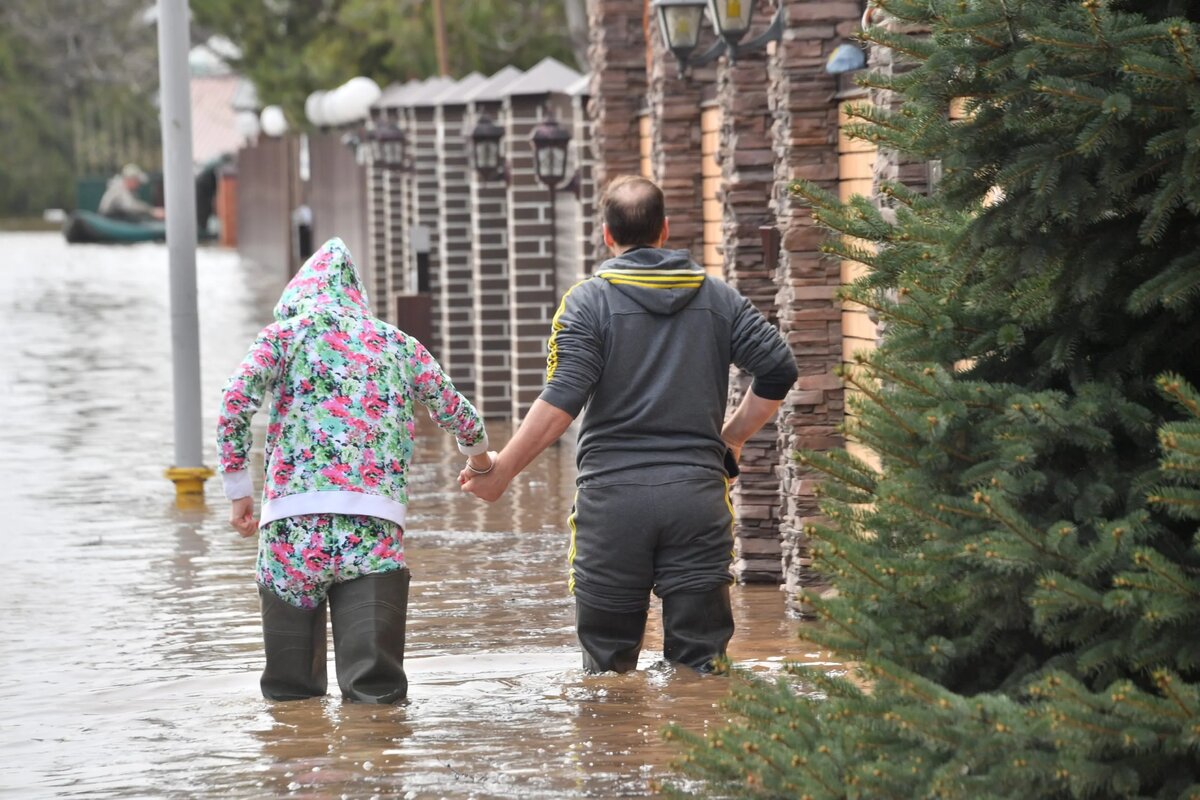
{"x": 1019, "y": 575}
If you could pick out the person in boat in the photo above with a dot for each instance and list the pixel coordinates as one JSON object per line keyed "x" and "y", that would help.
{"x": 338, "y": 445}
{"x": 120, "y": 200}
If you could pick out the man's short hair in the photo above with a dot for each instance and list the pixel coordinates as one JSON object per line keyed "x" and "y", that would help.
{"x": 634, "y": 210}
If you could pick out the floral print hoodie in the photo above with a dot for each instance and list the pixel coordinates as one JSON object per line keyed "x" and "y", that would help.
{"x": 344, "y": 385}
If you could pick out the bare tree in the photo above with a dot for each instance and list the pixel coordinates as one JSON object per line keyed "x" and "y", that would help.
{"x": 577, "y": 29}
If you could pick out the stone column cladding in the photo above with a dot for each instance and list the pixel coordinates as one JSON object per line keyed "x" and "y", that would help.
{"x": 489, "y": 282}
{"x": 454, "y": 307}
{"x": 532, "y": 287}
{"x": 394, "y": 230}
{"x": 617, "y": 58}
{"x": 805, "y": 103}
{"x": 747, "y": 160}
{"x": 584, "y": 150}
{"x": 408, "y": 195}
{"x": 674, "y": 106}
{"x": 377, "y": 236}
{"x": 423, "y": 146}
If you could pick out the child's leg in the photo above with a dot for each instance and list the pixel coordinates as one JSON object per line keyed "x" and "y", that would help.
{"x": 369, "y": 604}
{"x": 294, "y": 570}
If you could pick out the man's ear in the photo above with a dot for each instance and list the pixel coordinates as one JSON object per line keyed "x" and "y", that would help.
{"x": 666, "y": 232}
{"x": 609, "y": 242}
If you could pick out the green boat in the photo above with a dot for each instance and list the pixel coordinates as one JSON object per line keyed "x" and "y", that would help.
{"x": 88, "y": 226}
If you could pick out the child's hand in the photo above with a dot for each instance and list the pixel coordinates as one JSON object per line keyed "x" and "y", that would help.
{"x": 241, "y": 517}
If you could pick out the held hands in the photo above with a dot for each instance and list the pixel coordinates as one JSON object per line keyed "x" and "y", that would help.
{"x": 484, "y": 477}
{"x": 241, "y": 517}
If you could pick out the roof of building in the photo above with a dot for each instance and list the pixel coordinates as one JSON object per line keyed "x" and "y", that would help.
{"x": 396, "y": 94}
{"x": 429, "y": 89}
{"x": 548, "y": 75}
{"x": 454, "y": 95}
{"x": 579, "y": 87}
{"x": 493, "y": 87}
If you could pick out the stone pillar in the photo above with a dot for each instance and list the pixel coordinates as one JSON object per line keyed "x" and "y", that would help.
{"x": 747, "y": 162}
{"x": 489, "y": 282}
{"x": 674, "y": 105}
{"x": 377, "y": 235}
{"x": 805, "y": 102}
{"x": 617, "y": 57}
{"x": 454, "y": 306}
{"x": 532, "y": 285}
{"x": 584, "y": 151}
{"x": 426, "y": 260}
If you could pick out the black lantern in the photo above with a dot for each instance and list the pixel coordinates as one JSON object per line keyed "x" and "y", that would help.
{"x": 485, "y": 149}
{"x": 730, "y": 19}
{"x": 550, "y": 152}
{"x": 389, "y": 146}
{"x": 679, "y": 22}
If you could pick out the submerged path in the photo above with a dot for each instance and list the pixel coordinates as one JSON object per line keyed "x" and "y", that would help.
{"x": 130, "y": 645}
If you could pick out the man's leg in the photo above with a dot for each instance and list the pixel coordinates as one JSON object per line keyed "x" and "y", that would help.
{"x": 610, "y": 640}
{"x": 691, "y": 571}
{"x": 697, "y": 627}
{"x": 611, "y": 574}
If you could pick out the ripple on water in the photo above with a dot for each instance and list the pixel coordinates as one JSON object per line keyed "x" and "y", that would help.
{"x": 130, "y": 644}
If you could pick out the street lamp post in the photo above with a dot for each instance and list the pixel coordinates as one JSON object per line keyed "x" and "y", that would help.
{"x": 188, "y": 472}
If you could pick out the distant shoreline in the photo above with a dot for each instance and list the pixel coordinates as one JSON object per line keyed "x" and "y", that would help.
{"x": 28, "y": 224}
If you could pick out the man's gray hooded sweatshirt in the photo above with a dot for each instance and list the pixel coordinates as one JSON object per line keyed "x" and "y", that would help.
{"x": 645, "y": 346}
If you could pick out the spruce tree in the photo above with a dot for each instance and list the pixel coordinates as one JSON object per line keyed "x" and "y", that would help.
{"x": 1018, "y": 579}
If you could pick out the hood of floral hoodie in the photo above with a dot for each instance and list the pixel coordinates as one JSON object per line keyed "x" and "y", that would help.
{"x": 328, "y": 281}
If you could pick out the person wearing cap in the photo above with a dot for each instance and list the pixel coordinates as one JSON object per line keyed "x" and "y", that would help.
{"x": 120, "y": 200}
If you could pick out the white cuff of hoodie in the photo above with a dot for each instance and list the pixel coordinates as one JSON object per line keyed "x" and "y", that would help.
{"x": 476, "y": 449}
{"x": 237, "y": 484}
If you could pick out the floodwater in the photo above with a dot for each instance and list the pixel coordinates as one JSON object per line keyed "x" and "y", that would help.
{"x": 129, "y": 640}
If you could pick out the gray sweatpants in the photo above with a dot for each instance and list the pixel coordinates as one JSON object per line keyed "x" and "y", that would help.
{"x": 628, "y": 539}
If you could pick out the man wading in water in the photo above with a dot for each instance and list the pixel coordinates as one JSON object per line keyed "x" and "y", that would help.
{"x": 645, "y": 345}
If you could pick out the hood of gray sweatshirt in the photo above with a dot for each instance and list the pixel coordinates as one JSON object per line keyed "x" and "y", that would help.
{"x": 643, "y": 349}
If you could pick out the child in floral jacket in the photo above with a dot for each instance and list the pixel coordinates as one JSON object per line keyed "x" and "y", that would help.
{"x": 338, "y": 445}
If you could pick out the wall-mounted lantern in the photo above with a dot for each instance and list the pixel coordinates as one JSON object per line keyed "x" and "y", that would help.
{"x": 680, "y": 22}
{"x": 485, "y": 150}
{"x": 389, "y": 147}
{"x": 730, "y": 20}
{"x": 550, "y": 142}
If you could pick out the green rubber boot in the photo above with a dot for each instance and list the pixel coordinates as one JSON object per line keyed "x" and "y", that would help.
{"x": 369, "y": 616}
{"x": 611, "y": 640}
{"x": 697, "y": 627}
{"x": 294, "y": 640}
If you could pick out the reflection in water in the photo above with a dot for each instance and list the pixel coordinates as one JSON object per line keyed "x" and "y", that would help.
{"x": 130, "y": 645}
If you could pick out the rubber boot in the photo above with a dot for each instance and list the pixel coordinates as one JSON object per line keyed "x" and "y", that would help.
{"x": 697, "y": 627}
{"x": 368, "y": 636}
{"x": 610, "y": 640}
{"x": 294, "y": 640}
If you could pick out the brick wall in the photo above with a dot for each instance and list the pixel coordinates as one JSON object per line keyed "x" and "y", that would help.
{"x": 423, "y": 146}
{"x": 454, "y": 298}
{"x": 533, "y": 287}
{"x": 489, "y": 282}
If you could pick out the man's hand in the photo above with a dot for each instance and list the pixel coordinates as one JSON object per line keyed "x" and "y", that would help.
{"x": 488, "y": 486}
{"x": 241, "y": 517}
